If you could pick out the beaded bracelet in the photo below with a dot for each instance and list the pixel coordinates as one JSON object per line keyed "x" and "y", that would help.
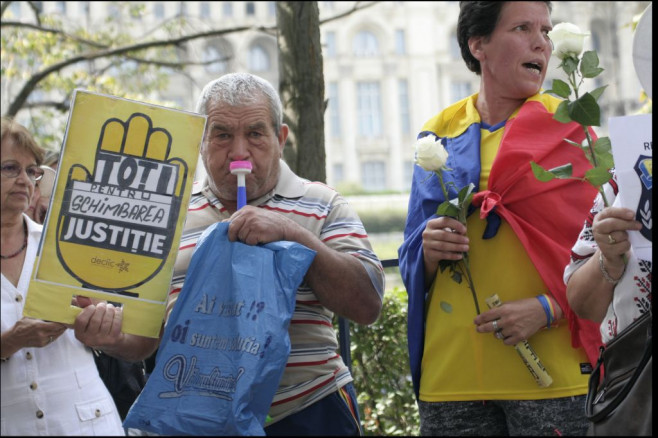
{"x": 550, "y": 317}
{"x": 605, "y": 273}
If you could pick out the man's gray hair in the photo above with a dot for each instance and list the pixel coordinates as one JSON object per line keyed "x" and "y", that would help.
{"x": 241, "y": 89}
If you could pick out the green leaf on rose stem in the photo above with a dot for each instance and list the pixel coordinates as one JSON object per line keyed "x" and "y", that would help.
{"x": 589, "y": 66}
{"x": 447, "y": 208}
{"x": 562, "y": 112}
{"x": 603, "y": 153}
{"x": 464, "y": 207}
{"x": 562, "y": 172}
{"x": 569, "y": 64}
{"x": 605, "y": 159}
{"x": 560, "y": 88}
{"x": 598, "y": 92}
{"x": 446, "y": 307}
{"x": 540, "y": 173}
{"x": 598, "y": 176}
{"x": 585, "y": 110}
{"x": 464, "y": 193}
{"x": 603, "y": 144}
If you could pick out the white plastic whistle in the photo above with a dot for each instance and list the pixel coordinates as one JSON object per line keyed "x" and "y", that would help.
{"x": 241, "y": 168}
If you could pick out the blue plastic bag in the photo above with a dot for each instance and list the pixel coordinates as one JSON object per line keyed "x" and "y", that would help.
{"x": 226, "y": 343}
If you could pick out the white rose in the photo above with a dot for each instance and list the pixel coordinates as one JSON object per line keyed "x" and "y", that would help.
{"x": 430, "y": 153}
{"x": 567, "y": 40}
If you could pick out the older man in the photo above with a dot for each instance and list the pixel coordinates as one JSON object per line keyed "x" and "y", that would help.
{"x": 315, "y": 394}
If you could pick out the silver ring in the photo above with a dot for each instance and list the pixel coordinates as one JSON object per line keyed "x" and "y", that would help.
{"x": 495, "y": 324}
{"x": 499, "y": 335}
{"x": 611, "y": 239}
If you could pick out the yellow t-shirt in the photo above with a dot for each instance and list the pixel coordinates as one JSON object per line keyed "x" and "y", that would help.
{"x": 461, "y": 364}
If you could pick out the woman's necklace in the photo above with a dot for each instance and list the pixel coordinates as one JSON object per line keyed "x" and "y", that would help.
{"x": 11, "y": 256}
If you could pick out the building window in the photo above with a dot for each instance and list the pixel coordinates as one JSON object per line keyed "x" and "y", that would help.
{"x": 60, "y": 7}
{"x": 182, "y": 9}
{"x": 250, "y": 9}
{"x": 15, "y": 8}
{"x": 373, "y": 176}
{"x": 339, "y": 174}
{"x": 400, "y": 42}
{"x": 455, "y": 51}
{"x": 227, "y": 9}
{"x": 113, "y": 11}
{"x": 403, "y": 103}
{"x": 368, "y": 109}
{"x": 158, "y": 10}
{"x": 334, "y": 110}
{"x": 259, "y": 60}
{"x": 204, "y": 10}
{"x": 459, "y": 90}
{"x": 217, "y": 56}
{"x": 365, "y": 44}
{"x": 330, "y": 44}
{"x": 271, "y": 9}
{"x": 83, "y": 8}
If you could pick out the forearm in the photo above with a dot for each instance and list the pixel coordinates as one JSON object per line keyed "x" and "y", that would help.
{"x": 431, "y": 267}
{"x": 588, "y": 292}
{"x": 132, "y": 347}
{"x": 340, "y": 282}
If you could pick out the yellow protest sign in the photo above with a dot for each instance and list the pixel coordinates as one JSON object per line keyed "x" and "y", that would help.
{"x": 120, "y": 200}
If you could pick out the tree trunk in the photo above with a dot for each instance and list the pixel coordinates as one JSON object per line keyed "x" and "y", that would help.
{"x": 301, "y": 86}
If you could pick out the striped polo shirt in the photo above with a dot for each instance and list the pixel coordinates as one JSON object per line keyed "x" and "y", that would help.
{"x": 314, "y": 369}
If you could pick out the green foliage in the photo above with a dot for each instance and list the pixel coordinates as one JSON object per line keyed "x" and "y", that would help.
{"x": 584, "y": 110}
{"x": 41, "y": 49}
{"x": 352, "y": 188}
{"x": 383, "y": 221}
{"x": 380, "y": 366}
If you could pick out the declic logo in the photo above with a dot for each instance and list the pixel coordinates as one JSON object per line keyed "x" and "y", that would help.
{"x": 106, "y": 263}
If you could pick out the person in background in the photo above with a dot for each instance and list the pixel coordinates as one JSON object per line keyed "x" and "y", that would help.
{"x": 50, "y": 384}
{"x": 51, "y": 159}
{"x": 42, "y": 193}
{"x": 601, "y": 286}
{"x": 467, "y": 377}
{"x": 245, "y": 123}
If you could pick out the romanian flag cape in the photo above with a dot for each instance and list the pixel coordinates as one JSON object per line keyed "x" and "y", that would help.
{"x": 546, "y": 216}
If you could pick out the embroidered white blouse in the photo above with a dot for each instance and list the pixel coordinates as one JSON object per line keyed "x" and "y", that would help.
{"x": 632, "y": 295}
{"x": 54, "y": 390}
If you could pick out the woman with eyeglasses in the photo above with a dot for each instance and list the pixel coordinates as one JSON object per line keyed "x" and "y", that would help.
{"x": 50, "y": 383}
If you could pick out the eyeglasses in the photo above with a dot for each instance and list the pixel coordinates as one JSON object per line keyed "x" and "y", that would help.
{"x": 11, "y": 169}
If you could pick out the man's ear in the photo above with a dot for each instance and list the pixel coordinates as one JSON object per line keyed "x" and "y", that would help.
{"x": 475, "y": 46}
{"x": 283, "y": 136}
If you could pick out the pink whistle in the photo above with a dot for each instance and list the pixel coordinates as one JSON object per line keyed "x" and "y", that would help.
{"x": 241, "y": 168}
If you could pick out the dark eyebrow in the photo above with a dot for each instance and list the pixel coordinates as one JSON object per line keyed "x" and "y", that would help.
{"x": 218, "y": 127}
{"x": 257, "y": 126}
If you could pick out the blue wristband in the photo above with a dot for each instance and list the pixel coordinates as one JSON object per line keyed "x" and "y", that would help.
{"x": 547, "y": 310}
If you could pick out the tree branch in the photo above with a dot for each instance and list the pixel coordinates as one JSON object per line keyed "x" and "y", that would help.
{"x": 34, "y": 80}
{"x": 358, "y": 6}
{"x": 21, "y": 98}
{"x": 52, "y": 30}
